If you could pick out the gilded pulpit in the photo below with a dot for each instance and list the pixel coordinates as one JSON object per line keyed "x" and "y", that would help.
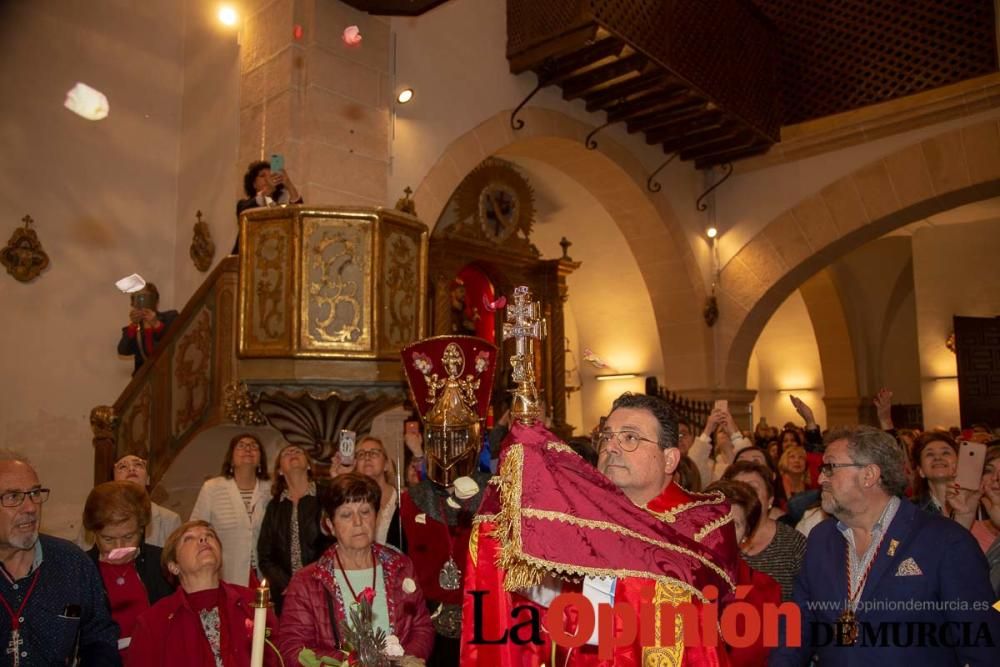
{"x": 301, "y": 332}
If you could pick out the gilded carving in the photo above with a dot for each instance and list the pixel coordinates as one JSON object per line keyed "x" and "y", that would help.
{"x": 337, "y": 272}
{"x": 135, "y": 424}
{"x": 495, "y": 204}
{"x": 241, "y": 405}
{"x": 400, "y": 289}
{"x": 192, "y": 366}
{"x": 103, "y": 422}
{"x": 270, "y": 263}
{"x": 202, "y": 246}
{"x": 23, "y": 257}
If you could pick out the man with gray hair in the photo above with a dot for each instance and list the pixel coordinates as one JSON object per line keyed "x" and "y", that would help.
{"x": 51, "y": 594}
{"x": 884, "y": 582}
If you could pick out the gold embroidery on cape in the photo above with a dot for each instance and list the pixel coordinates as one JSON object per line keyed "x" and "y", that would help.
{"x": 615, "y": 528}
{"x": 560, "y": 447}
{"x": 474, "y": 546}
{"x": 660, "y": 655}
{"x": 714, "y": 498}
{"x": 713, "y": 526}
{"x": 524, "y": 571}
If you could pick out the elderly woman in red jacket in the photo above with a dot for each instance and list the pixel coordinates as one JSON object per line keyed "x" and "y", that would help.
{"x": 339, "y": 578}
{"x": 207, "y": 622}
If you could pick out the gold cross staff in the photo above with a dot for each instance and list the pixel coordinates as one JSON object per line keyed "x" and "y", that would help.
{"x": 524, "y": 325}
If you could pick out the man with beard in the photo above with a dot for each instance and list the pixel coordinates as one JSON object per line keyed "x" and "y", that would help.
{"x": 886, "y": 583}
{"x": 51, "y": 592}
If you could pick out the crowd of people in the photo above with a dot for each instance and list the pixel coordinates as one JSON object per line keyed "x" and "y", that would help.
{"x": 853, "y": 515}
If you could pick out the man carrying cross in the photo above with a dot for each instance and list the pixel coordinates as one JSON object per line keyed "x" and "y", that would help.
{"x": 53, "y": 603}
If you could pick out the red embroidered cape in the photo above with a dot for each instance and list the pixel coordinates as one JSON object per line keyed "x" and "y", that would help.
{"x": 551, "y": 513}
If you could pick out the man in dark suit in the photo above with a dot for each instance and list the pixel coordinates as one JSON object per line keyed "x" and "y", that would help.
{"x": 884, "y": 583}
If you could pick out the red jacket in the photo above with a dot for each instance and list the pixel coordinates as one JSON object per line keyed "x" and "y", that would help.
{"x": 170, "y": 633}
{"x": 305, "y": 617}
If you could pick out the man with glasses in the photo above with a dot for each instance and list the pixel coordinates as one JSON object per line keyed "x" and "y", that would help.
{"x": 54, "y": 607}
{"x": 886, "y": 583}
{"x": 638, "y": 451}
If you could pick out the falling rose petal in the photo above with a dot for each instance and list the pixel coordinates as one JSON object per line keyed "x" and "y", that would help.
{"x": 87, "y": 102}
{"x": 492, "y": 306}
{"x": 352, "y": 35}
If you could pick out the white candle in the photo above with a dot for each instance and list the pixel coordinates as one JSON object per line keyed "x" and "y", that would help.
{"x": 261, "y": 603}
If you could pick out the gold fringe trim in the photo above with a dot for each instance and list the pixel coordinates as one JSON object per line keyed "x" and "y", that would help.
{"x": 714, "y": 498}
{"x": 712, "y": 526}
{"x": 524, "y": 571}
{"x": 615, "y": 528}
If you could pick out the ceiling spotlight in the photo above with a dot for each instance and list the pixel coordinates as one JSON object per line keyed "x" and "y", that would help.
{"x": 711, "y": 232}
{"x": 228, "y": 15}
{"x": 405, "y": 95}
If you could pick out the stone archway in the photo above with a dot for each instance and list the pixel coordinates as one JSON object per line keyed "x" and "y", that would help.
{"x": 951, "y": 169}
{"x": 836, "y": 352}
{"x": 617, "y": 180}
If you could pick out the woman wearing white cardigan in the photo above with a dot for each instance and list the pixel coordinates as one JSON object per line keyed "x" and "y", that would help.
{"x": 234, "y": 504}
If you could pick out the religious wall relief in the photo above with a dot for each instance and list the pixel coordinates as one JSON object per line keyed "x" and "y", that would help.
{"x": 23, "y": 257}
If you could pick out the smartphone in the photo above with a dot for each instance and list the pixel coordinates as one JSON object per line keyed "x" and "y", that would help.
{"x": 971, "y": 460}
{"x": 721, "y": 404}
{"x": 411, "y": 426}
{"x": 346, "y": 448}
{"x": 277, "y": 162}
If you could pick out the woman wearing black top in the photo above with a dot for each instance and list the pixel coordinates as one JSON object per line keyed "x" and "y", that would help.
{"x": 290, "y": 536}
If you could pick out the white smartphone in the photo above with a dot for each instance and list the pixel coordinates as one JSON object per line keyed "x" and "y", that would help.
{"x": 971, "y": 460}
{"x": 346, "y": 448}
{"x": 721, "y": 404}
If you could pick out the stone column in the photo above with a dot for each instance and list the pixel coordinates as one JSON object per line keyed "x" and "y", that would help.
{"x": 845, "y": 411}
{"x": 323, "y": 105}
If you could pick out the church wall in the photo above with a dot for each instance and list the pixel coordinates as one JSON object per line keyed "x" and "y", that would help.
{"x": 208, "y": 177}
{"x": 611, "y": 306}
{"x": 750, "y": 200}
{"x": 884, "y": 333}
{"x": 955, "y": 272}
{"x": 786, "y": 361}
{"x": 103, "y": 197}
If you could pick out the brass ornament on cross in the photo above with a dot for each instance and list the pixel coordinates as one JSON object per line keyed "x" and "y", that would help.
{"x": 23, "y": 257}
{"x": 525, "y": 325}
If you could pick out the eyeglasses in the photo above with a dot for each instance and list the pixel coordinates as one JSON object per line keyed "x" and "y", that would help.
{"x": 16, "y": 498}
{"x": 252, "y": 446}
{"x": 133, "y": 464}
{"x": 627, "y": 440}
{"x": 368, "y": 454}
{"x": 292, "y": 451}
{"x": 828, "y": 468}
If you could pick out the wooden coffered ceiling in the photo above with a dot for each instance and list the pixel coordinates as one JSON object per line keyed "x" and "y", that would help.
{"x": 713, "y": 82}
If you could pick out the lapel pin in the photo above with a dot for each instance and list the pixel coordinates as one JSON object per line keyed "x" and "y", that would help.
{"x": 892, "y": 547}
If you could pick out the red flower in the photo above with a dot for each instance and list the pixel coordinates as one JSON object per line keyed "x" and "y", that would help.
{"x": 367, "y": 595}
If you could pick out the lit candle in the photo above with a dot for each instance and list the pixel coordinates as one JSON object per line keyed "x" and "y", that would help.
{"x": 261, "y": 602}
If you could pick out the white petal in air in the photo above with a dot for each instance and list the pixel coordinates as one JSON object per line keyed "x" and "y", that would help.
{"x": 87, "y": 102}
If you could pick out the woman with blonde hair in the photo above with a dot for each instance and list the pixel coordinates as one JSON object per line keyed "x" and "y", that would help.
{"x": 794, "y": 470}
{"x": 372, "y": 461}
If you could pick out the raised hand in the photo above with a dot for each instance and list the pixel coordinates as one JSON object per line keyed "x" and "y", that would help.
{"x": 883, "y": 408}
{"x": 804, "y": 411}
